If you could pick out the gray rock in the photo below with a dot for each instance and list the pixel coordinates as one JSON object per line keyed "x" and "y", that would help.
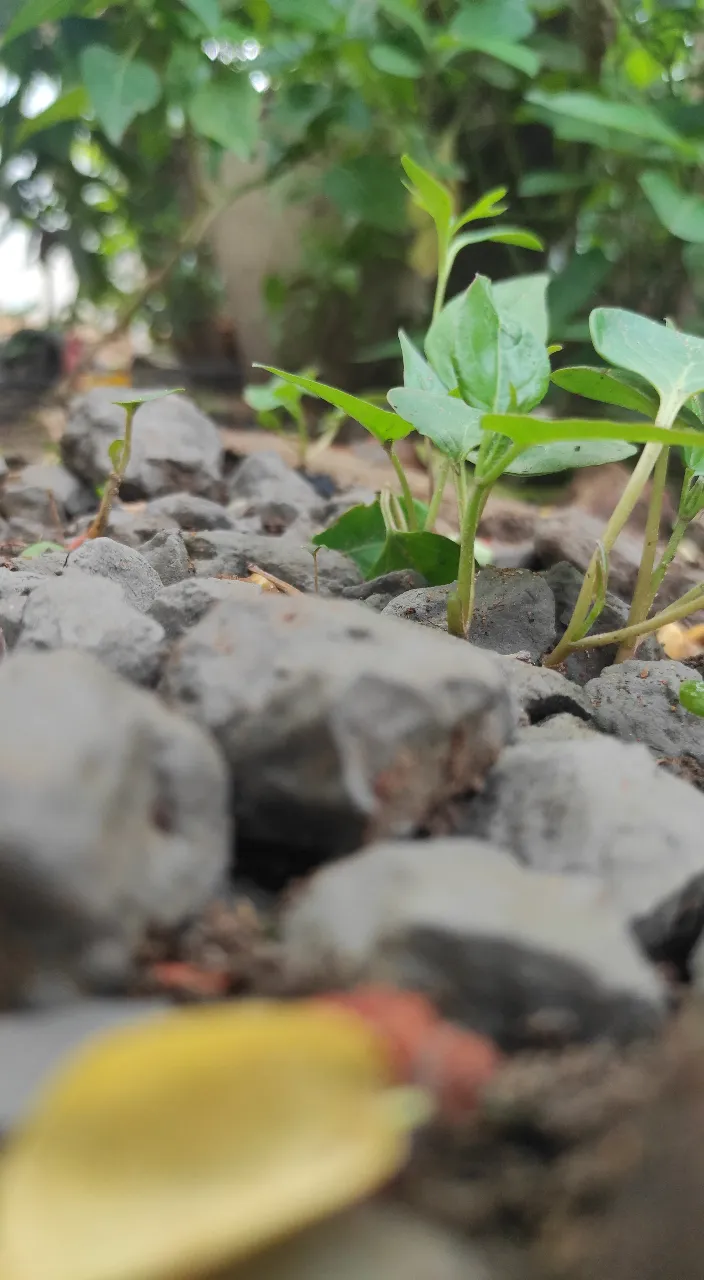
{"x": 565, "y": 582}
{"x": 571, "y": 534}
{"x": 14, "y": 590}
{"x": 379, "y": 592}
{"x": 29, "y": 493}
{"x": 190, "y": 512}
{"x": 560, "y": 728}
{"x": 604, "y": 808}
{"x": 125, "y": 566}
{"x": 175, "y": 447}
{"x": 538, "y": 692}
{"x": 221, "y": 552}
{"x": 166, "y": 552}
{"x": 514, "y": 611}
{"x": 371, "y": 1240}
{"x": 338, "y": 727}
{"x": 116, "y": 805}
{"x": 181, "y": 606}
{"x": 91, "y": 614}
{"x": 50, "y": 564}
{"x": 263, "y": 478}
{"x": 499, "y": 948}
{"x": 34, "y": 1045}
{"x": 133, "y": 528}
{"x": 639, "y": 702}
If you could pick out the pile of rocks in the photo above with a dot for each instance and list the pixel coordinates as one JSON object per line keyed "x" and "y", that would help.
{"x": 469, "y": 824}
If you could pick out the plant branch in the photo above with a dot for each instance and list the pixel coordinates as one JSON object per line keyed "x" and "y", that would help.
{"x": 643, "y": 593}
{"x": 637, "y": 482}
{"x": 438, "y": 491}
{"x": 681, "y": 609}
{"x": 405, "y": 488}
{"x": 466, "y": 573}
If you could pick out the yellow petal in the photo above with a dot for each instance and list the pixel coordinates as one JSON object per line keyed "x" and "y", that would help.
{"x": 170, "y": 1148}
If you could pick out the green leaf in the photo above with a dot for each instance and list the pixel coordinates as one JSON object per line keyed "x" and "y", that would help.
{"x": 440, "y": 340}
{"x": 564, "y": 455}
{"x": 681, "y": 212}
{"x": 608, "y": 386}
{"x": 431, "y": 554}
{"x": 367, "y": 188}
{"x": 418, "y": 375}
{"x": 38, "y": 549}
{"x": 691, "y": 696}
{"x": 498, "y": 363}
{"x": 72, "y": 104}
{"x": 694, "y": 460}
{"x": 487, "y": 206}
{"x": 360, "y": 533}
{"x": 451, "y": 424}
{"x": 430, "y": 195}
{"x": 34, "y": 12}
{"x": 670, "y": 361}
{"x": 263, "y": 399}
{"x": 514, "y": 55}
{"x": 529, "y": 431}
{"x": 145, "y": 397}
{"x": 627, "y": 117}
{"x": 207, "y": 10}
{"x": 227, "y": 112}
{"x": 395, "y": 62}
{"x": 543, "y": 182}
{"x": 492, "y": 19}
{"x": 119, "y": 89}
{"x": 524, "y": 300}
{"x": 115, "y": 453}
{"x": 499, "y": 235}
{"x": 381, "y": 423}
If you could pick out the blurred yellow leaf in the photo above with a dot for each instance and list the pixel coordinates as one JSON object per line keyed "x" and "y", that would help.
{"x": 169, "y": 1149}
{"x": 682, "y": 642}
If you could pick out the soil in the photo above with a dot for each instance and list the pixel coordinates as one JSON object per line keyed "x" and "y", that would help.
{"x": 553, "y": 1170}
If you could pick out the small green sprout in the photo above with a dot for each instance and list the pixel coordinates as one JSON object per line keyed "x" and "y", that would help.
{"x": 120, "y": 452}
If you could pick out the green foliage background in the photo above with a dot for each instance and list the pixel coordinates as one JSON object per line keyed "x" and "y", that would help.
{"x": 590, "y": 111}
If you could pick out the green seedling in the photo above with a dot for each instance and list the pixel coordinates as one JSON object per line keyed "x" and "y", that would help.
{"x": 692, "y": 696}
{"x": 120, "y": 452}
{"x": 277, "y": 400}
{"x": 472, "y": 394}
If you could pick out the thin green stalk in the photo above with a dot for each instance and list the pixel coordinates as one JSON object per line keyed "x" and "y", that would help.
{"x": 438, "y": 491}
{"x": 637, "y": 482}
{"x": 302, "y": 428}
{"x": 643, "y": 593}
{"x": 112, "y": 484}
{"x": 681, "y": 609}
{"x": 668, "y": 555}
{"x": 444, "y": 265}
{"x": 405, "y": 489}
{"x": 466, "y": 573}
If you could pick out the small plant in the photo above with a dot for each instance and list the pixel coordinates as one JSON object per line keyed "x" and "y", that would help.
{"x": 120, "y": 451}
{"x": 486, "y": 368}
{"x": 277, "y": 397}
